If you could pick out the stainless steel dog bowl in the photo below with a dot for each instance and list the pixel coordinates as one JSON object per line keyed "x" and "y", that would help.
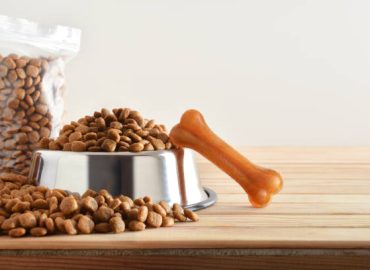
{"x": 169, "y": 175}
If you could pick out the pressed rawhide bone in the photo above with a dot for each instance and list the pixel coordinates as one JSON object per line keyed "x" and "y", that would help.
{"x": 259, "y": 183}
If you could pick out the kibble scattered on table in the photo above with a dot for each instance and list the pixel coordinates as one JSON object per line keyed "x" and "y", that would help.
{"x": 38, "y": 211}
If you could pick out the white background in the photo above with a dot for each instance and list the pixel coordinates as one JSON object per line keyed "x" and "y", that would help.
{"x": 262, "y": 72}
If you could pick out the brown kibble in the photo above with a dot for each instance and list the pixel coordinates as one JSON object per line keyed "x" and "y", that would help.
{"x": 69, "y": 226}
{"x": 177, "y": 207}
{"x": 20, "y": 93}
{"x": 159, "y": 209}
{"x": 85, "y": 225}
{"x": 13, "y": 103}
{"x": 135, "y": 225}
{"x": 147, "y": 199}
{"x": 9, "y": 224}
{"x": 109, "y": 145}
{"x": 78, "y": 146}
{"x": 100, "y": 123}
{"x": 75, "y": 136}
{"x": 115, "y": 204}
{"x": 133, "y": 213}
{"x": 117, "y": 225}
{"x": 27, "y": 220}
{"x": 165, "y": 206}
{"x": 114, "y": 135}
{"x": 17, "y": 232}
{"x": 91, "y": 136}
{"x": 125, "y": 207}
{"x": 157, "y": 143}
{"x": 68, "y": 205}
{"x": 49, "y": 224}
{"x": 20, "y": 207}
{"x": 59, "y": 223}
{"x": 53, "y": 204}
{"x": 3, "y": 70}
{"x": 32, "y": 71}
{"x": 103, "y": 227}
{"x": 142, "y": 213}
{"x": 103, "y": 214}
{"x": 136, "y": 147}
{"x": 40, "y": 204}
{"x": 154, "y": 219}
{"x": 88, "y": 203}
{"x": 139, "y": 201}
{"x": 179, "y": 216}
{"x": 168, "y": 222}
{"x": 191, "y": 215}
{"x": 42, "y": 108}
{"x": 38, "y": 231}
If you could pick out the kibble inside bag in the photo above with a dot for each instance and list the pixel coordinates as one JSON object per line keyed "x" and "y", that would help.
{"x": 32, "y": 85}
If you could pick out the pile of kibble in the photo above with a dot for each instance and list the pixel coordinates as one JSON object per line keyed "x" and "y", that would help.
{"x": 39, "y": 211}
{"x": 117, "y": 130}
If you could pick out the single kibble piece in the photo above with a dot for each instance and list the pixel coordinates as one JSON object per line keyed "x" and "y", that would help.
{"x": 103, "y": 214}
{"x": 78, "y": 146}
{"x": 154, "y": 219}
{"x": 132, "y": 215}
{"x": 136, "y": 147}
{"x": 109, "y": 145}
{"x": 69, "y": 227}
{"x": 179, "y": 216}
{"x": 49, "y": 224}
{"x": 142, "y": 213}
{"x": 68, "y": 205}
{"x": 139, "y": 201}
{"x": 89, "y": 204}
{"x": 85, "y": 225}
{"x": 135, "y": 225}
{"x": 103, "y": 227}
{"x": 75, "y": 136}
{"x": 117, "y": 225}
{"x": 168, "y": 222}
{"x": 17, "y": 232}
{"x": 59, "y": 223}
{"x": 27, "y": 220}
{"x": 38, "y": 231}
{"x": 191, "y": 215}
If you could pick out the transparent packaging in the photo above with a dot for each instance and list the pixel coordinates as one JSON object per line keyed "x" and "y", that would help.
{"x": 32, "y": 85}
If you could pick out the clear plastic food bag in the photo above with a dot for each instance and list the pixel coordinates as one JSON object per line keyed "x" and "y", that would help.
{"x": 32, "y": 84}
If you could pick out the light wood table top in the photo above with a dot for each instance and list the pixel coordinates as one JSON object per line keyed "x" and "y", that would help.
{"x": 324, "y": 205}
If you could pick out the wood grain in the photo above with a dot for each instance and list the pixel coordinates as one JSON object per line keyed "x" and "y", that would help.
{"x": 325, "y": 203}
{"x": 185, "y": 262}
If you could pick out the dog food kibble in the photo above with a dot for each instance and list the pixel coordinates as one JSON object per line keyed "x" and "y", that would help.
{"x": 38, "y": 211}
{"x": 30, "y": 93}
{"x": 119, "y": 130}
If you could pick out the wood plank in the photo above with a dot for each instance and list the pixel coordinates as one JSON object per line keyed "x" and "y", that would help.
{"x": 342, "y": 208}
{"x": 304, "y": 154}
{"x": 184, "y": 262}
{"x": 301, "y": 198}
{"x": 185, "y": 236}
{"x": 303, "y": 189}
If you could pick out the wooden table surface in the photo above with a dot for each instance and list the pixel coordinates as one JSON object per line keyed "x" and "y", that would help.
{"x": 322, "y": 211}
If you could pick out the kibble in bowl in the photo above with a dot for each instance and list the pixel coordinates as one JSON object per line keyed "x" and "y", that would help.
{"x": 119, "y": 130}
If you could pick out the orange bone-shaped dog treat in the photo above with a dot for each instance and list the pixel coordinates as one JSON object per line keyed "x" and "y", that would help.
{"x": 259, "y": 183}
